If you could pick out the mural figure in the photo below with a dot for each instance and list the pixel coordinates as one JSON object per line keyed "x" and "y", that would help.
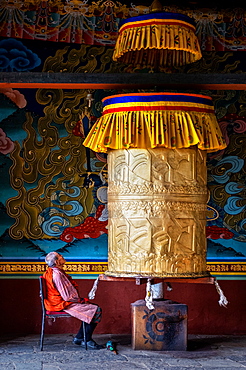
{"x": 93, "y": 226}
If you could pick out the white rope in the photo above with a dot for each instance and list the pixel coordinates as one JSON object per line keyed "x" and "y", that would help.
{"x": 223, "y": 300}
{"x": 149, "y": 296}
{"x": 92, "y": 293}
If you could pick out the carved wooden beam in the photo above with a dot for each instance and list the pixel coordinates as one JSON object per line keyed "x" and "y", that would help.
{"x": 164, "y": 81}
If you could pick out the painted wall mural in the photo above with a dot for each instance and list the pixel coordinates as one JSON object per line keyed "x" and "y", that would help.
{"x": 97, "y": 22}
{"x": 226, "y": 181}
{"x": 50, "y": 199}
{"x": 53, "y": 190}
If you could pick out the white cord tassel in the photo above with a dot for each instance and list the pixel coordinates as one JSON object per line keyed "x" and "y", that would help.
{"x": 169, "y": 287}
{"x": 223, "y": 300}
{"x": 92, "y": 293}
{"x": 149, "y": 296}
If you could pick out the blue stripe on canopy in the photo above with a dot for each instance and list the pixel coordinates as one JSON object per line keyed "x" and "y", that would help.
{"x": 148, "y": 98}
{"x": 162, "y": 15}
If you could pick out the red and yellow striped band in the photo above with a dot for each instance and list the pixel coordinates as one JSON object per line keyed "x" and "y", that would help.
{"x": 157, "y": 102}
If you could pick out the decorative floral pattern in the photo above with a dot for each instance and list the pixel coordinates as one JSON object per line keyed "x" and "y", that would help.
{"x": 6, "y": 145}
{"x": 15, "y": 96}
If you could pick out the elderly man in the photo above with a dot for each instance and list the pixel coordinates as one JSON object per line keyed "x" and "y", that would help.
{"x": 62, "y": 294}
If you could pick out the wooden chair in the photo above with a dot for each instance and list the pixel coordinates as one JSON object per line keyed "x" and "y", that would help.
{"x": 51, "y": 314}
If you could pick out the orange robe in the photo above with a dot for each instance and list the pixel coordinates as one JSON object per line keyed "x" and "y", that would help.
{"x": 54, "y": 300}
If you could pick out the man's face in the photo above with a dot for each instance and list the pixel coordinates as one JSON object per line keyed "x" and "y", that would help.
{"x": 60, "y": 262}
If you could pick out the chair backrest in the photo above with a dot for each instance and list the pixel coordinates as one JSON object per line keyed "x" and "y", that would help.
{"x": 43, "y": 291}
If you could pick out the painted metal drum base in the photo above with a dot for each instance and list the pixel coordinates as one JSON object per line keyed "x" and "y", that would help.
{"x": 161, "y": 329}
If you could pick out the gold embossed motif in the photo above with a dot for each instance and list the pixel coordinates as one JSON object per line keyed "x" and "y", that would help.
{"x": 157, "y": 212}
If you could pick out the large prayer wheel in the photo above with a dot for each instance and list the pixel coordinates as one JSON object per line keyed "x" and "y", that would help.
{"x": 157, "y": 190}
{"x": 157, "y": 212}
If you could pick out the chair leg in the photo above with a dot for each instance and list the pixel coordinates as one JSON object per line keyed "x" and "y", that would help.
{"x": 42, "y": 333}
{"x": 85, "y": 339}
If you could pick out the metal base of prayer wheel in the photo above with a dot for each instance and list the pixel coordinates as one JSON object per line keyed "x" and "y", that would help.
{"x": 161, "y": 329}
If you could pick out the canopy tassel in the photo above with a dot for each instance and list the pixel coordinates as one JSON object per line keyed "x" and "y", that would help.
{"x": 149, "y": 296}
{"x": 92, "y": 293}
{"x": 223, "y": 300}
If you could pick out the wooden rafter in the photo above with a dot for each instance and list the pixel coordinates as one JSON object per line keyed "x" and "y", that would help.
{"x": 123, "y": 80}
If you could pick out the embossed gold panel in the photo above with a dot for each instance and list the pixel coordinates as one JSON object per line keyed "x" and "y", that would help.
{"x": 157, "y": 212}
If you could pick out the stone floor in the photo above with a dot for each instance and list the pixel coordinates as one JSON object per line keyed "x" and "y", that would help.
{"x": 204, "y": 352}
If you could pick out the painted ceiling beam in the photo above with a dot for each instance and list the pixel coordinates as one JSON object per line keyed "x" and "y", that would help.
{"x": 211, "y": 81}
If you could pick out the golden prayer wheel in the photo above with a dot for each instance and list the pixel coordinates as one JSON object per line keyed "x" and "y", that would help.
{"x": 157, "y": 190}
{"x": 157, "y": 212}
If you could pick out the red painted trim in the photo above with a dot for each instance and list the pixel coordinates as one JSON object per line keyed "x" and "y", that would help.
{"x": 53, "y": 85}
{"x": 84, "y": 85}
{"x": 157, "y": 108}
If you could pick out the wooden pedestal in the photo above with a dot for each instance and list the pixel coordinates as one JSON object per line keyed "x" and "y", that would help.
{"x": 161, "y": 329}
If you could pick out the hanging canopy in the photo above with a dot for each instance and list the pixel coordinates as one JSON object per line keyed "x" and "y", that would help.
{"x": 157, "y": 40}
{"x": 150, "y": 120}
